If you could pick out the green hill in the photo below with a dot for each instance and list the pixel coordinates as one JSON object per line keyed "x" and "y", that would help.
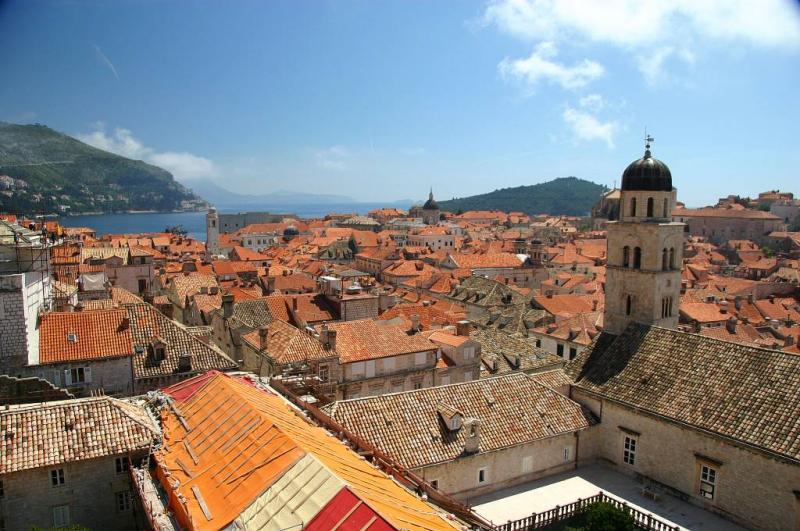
{"x": 52, "y": 172}
{"x": 562, "y": 196}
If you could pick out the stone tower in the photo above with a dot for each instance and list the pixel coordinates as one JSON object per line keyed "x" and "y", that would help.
{"x": 430, "y": 210}
{"x": 212, "y": 231}
{"x": 645, "y": 249}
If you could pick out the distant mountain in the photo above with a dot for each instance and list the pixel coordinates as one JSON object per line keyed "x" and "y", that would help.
{"x": 563, "y": 196}
{"x": 42, "y": 170}
{"x": 222, "y": 197}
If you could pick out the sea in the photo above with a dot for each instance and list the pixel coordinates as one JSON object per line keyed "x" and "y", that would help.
{"x": 195, "y": 222}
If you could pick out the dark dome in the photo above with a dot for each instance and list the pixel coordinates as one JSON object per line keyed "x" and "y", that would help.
{"x": 291, "y": 230}
{"x": 648, "y": 174}
{"x": 430, "y": 204}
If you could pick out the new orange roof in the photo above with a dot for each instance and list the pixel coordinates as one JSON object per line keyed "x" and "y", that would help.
{"x": 227, "y": 442}
{"x": 74, "y": 336}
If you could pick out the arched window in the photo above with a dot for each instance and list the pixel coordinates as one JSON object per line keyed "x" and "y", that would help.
{"x": 666, "y": 207}
{"x": 637, "y": 257}
{"x": 672, "y": 257}
{"x": 628, "y": 304}
{"x": 626, "y": 256}
{"x": 649, "y": 207}
{"x": 664, "y": 260}
{"x": 633, "y": 206}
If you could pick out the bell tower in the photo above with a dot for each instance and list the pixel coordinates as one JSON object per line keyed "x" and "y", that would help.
{"x": 645, "y": 249}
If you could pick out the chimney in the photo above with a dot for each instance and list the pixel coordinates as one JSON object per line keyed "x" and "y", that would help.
{"x": 723, "y": 307}
{"x": 203, "y": 290}
{"x": 79, "y": 307}
{"x": 472, "y": 443}
{"x": 415, "y": 323}
{"x": 294, "y": 304}
{"x": 789, "y": 341}
{"x": 463, "y": 328}
{"x": 227, "y": 305}
{"x": 270, "y": 285}
{"x": 549, "y": 294}
{"x": 730, "y": 324}
{"x": 332, "y": 339}
{"x": 594, "y": 305}
{"x": 323, "y": 335}
{"x": 125, "y": 323}
{"x": 751, "y": 298}
{"x": 737, "y": 303}
{"x": 213, "y": 290}
{"x": 263, "y": 338}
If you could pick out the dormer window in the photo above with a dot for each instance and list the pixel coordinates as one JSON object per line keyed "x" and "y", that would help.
{"x": 72, "y": 337}
{"x": 158, "y": 350}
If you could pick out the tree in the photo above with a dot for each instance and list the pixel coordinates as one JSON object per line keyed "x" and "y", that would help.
{"x": 602, "y": 516}
{"x": 177, "y": 230}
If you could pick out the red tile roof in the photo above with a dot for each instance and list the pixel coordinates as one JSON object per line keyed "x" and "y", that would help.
{"x": 90, "y": 335}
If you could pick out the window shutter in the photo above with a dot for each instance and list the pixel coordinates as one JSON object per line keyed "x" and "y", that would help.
{"x": 57, "y": 378}
{"x": 67, "y": 377}
{"x": 87, "y": 374}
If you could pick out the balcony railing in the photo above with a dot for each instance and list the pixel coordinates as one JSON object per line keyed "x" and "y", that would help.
{"x": 560, "y": 513}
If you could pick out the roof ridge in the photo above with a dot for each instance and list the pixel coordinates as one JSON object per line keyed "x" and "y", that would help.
{"x": 707, "y": 338}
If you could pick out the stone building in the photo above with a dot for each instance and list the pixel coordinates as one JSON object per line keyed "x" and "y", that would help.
{"x": 475, "y": 437}
{"x": 606, "y": 209}
{"x": 709, "y": 421}
{"x": 431, "y": 210}
{"x": 67, "y": 462}
{"x": 730, "y": 222}
{"x": 645, "y": 250}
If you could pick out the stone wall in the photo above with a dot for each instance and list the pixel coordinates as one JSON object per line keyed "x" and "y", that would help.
{"x": 503, "y": 468}
{"x": 114, "y": 376}
{"x": 753, "y": 489}
{"x": 89, "y": 490}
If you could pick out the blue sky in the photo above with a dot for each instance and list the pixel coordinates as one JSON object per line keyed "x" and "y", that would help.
{"x": 379, "y": 100}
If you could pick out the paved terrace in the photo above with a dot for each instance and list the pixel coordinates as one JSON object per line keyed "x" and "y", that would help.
{"x": 544, "y": 494}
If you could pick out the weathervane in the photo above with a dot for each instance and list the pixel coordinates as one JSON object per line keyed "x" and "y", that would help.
{"x": 647, "y": 140}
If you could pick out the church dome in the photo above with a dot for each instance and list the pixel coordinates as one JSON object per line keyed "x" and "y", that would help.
{"x": 648, "y": 174}
{"x": 290, "y": 231}
{"x": 430, "y": 204}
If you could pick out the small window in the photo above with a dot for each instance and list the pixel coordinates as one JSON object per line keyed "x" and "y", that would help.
{"x": 57, "y": 477}
{"x": 628, "y": 305}
{"x": 469, "y": 353}
{"x": 708, "y": 482}
{"x": 567, "y": 453}
{"x": 629, "y": 450}
{"x": 72, "y": 337}
{"x": 482, "y": 475}
{"x": 418, "y": 385}
{"x": 538, "y": 343}
{"x": 122, "y": 465}
{"x": 626, "y": 256}
{"x": 637, "y": 257}
{"x": 61, "y": 516}
{"x": 650, "y": 207}
{"x": 324, "y": 373}
{"x": 560, "y": 350}
{"x": 573, "y": 352}
{"x": 435, "y": 484}
{"x": 123, "y": 501}
{"x": 633, "y": 206}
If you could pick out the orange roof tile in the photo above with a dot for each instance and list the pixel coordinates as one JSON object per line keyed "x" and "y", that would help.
{"x": 77, "y": 336}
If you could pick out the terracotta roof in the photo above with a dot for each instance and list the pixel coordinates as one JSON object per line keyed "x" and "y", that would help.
{"x": 234, "y": 442}
{"x": 489, "y": 260}
{"x": 149, "y": 325}
{"x": 77, "y": 336}
{"x": 512, "y": 410}
{"x": 724, "y": 212}
{"x": 367, "y": 339}
{"x": 187, "y": 285}
{"x": 703, "y": 312}
{"x": 52, "y": 433}
{"x": 500, "y": 346}
{"x": 287, "y": 344}
{"x": 565, "y": 305}
{"x": 748, "y": 394}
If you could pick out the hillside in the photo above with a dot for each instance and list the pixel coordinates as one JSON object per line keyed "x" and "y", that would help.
{"x": 53, "y": 172}
{"x": 565, "y": 195}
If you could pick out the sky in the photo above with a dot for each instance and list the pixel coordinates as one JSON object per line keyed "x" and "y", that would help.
{"x": 380, "y": 100}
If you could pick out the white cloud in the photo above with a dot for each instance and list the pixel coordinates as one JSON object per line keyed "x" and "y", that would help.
{"x": 182, "y": 165}
{"x": 654, "y": 31}
{"x": 332, "y": 158}
{"x": 633, "y": 23}
{"x": 594, "y": 102}
{"x": 586, "y": 126}
{"x": 539, "y": 66}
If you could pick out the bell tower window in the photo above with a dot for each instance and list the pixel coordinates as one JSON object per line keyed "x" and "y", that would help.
{"x": 626, "y": 256}
{"x": 637, "y": 258}
{"x": 628, "y": 305}
{"x": 633, "y": 206}
{"x": 666, "y": 207}
{"x": 650, "y": 207}
{"x": 672, "y": 258}
{"x": 664, "y": 259}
